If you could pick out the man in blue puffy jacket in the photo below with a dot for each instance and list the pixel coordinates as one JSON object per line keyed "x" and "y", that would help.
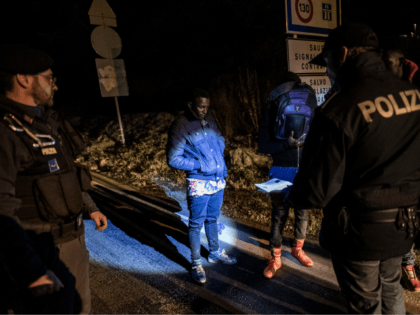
{"x": 196, "y": 146}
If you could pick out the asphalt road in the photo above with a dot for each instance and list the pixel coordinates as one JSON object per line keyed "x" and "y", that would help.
{"x": 140, "y": 264}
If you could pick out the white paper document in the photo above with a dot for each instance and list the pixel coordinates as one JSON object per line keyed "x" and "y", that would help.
{"x": 273, "y": 184}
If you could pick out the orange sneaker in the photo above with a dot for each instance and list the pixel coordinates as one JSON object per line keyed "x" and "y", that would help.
{"x": 410, "y": 278}
{"x": 299, "y": 254}
{"x": 274, "y": 263}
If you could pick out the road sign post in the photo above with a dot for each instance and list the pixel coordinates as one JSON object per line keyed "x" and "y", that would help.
{"x": 320, "y": 84}
{"x": 312, "y": 17}
{"x": 112, "y": 77}
{"x": 107, "y": 43}
{"x": 300, "y": 52}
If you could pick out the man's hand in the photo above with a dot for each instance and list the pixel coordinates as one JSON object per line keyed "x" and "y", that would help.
{"x": 47, "y": 284}
{"x": 100, "y": 220}
{"x": 292, "y": 142}
{"x": 276, "y": 198}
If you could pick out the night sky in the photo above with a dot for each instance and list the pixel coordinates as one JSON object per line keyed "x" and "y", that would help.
{"x": 170, "y": 47}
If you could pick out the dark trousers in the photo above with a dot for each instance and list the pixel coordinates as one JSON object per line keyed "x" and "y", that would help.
{"x": 278, "y": 221}
{"x": 371, "y": 287}
{"x": 204, "y": 210}
{"x": 279, "y": 216}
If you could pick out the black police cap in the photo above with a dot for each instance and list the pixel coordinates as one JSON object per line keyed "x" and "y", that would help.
{"x": 349, "y": 35}
{"x": 22, "y": 59}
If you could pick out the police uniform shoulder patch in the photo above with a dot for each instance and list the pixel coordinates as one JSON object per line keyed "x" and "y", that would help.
{"x": 53, "y": 165}
{"x": 28, "y": 119}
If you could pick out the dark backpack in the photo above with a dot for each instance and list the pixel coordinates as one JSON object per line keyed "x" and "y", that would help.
{"x": 295, "y": 110}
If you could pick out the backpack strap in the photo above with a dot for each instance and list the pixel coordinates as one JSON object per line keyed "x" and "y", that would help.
{"x": 281, "y": 89}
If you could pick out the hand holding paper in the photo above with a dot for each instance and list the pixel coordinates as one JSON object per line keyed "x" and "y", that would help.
{"x": 273, "y": 184}
{"x": 274, "y": 187}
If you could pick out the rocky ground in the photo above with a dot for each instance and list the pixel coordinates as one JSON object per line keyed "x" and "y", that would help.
{"x": 142, "y": 163}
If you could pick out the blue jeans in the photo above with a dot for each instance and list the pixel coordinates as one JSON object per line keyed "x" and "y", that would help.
{"x": 279, "y": 215}
{"x": 370, "y": 287}
{"x": 204, "y": 210}
{"x": 409, "y": 258}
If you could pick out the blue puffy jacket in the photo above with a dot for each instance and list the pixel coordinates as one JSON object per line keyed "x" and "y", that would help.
{"x": 197, "y": 149}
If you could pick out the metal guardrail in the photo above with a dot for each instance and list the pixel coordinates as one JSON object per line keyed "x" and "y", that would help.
{"x": 134, "y": 200}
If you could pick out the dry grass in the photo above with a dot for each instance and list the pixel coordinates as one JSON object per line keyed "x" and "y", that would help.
{"x": 222, "y": 109}
{"x": 237, "y": 101}
{"x": 142, "y": 159}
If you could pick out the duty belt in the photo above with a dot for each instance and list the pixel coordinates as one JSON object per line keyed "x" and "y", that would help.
{"x": 404, "y": 218}
{"x": 379, "y": 216}
{"x": 61, "y": 230}
{"x": 56, "y": 230}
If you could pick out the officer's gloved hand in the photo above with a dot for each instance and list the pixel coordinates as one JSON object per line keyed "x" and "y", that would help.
{"x": 47, "y": 284}
{"x": 293, "y": 143}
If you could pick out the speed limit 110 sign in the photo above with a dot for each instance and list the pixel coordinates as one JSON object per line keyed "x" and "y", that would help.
{"x": 312, "y": 17}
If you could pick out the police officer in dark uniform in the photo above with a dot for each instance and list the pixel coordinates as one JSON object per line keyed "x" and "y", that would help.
{"x": 361, "y": 165}
{"x": 44, "y": 262}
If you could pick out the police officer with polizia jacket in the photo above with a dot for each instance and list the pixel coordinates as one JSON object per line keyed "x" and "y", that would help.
{"x": 405, "y": 69}
{"x": 361, "y": 164}
{"x": 44, "y": 263}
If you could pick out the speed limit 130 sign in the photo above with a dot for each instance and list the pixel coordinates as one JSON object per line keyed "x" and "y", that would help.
{"x": 312, "y": 17}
